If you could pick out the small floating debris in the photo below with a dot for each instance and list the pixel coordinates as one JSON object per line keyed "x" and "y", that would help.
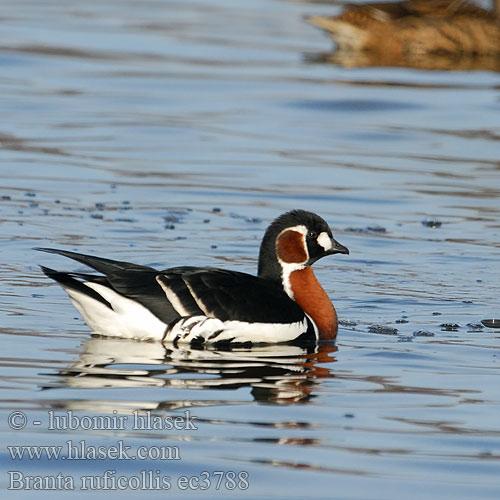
{"x": 348, "y": 323}
{"x": 253, "y": 220}
{"x": 449, "y": 327}
{"x": 491, "y": 323}
{"x": 175, "y": 216}
{"x": 475, "y": 327}
{"x": 97, "y": 216}
{"x": 486, "y": 454}
{"x": 435, "y": 313}
{"x": 376, "y": 229}
{"x": 402, "y": 321}
{"x": 383, "y": 330}
{"x": 172, "y": 218}
{"x": 434, "y": 223}
{"x": 423, "y": 333}
{"x": 368, "y": 229}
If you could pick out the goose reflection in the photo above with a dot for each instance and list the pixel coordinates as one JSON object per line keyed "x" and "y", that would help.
{"x": 281, "y": 374}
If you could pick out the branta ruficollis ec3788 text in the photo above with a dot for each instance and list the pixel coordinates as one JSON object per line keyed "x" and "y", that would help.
{"x": 197, "y": 305}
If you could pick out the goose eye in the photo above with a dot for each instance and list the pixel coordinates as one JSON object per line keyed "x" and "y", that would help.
{"x": 312, "y": 234}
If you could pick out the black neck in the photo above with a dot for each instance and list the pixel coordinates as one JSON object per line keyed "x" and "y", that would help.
{"x": 269, "y": 267}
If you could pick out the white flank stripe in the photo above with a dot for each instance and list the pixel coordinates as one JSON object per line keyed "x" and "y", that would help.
{"x": 188, "y": 329}
{"x": 129, "y": 319}
{"x": 197, "y": 299}
{"x": 173, "y": 298}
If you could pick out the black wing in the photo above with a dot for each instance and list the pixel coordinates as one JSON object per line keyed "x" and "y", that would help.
{"x": 104, "y": 266}
{"x": 230, "y": 295}
{"x": 133, "y": 281}
{"x": 226, "y": 295}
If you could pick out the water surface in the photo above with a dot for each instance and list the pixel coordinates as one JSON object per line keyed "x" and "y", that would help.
{"x": 170, "y": 133}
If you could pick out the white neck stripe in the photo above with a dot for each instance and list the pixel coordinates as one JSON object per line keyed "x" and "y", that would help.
{"x": 287, "y": 268}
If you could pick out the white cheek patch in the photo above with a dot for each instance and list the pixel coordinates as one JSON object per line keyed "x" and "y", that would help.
{"x": 324, "y": 241}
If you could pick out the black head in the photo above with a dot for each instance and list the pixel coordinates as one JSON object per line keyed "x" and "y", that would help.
{"x": 298, "y": 238}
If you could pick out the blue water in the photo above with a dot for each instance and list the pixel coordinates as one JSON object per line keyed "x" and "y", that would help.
{"x": 170, "y": 133}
